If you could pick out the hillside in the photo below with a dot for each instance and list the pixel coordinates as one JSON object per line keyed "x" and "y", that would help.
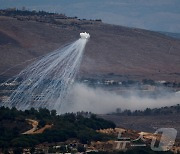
{"x": 69, "y": 133}
{"x": 129, "y": 53}
{"x": 148, "y": 120}
{"x": 80, "y": 126}
{"x": 174, "y": 35}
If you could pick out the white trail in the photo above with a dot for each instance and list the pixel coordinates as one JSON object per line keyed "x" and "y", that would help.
{"x": 46, "y": 82}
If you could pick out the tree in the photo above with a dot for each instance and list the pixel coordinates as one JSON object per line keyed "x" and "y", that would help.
{"x": 81, "y": 148}
{"x": 18, "y": 150}
{"x": 147, "y": 111}
{"x": 63, "y": 149}
{"x": 53, "y": 113}
{"x": 42, "y": 123}
{"x": 118, "y": 110}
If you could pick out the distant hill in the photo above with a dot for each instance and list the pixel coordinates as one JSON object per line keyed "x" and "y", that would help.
{"x": 174, "y": 35}
{"x": 128, "y": 52}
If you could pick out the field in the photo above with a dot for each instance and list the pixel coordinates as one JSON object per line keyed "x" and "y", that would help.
{"x": 129, "y": 53}
{"x": 146, "y": 123}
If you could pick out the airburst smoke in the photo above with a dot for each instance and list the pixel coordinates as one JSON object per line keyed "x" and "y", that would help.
{"x": 46, "y": 82}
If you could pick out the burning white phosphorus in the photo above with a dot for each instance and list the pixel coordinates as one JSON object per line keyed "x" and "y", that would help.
{"x": 46, "y": 82}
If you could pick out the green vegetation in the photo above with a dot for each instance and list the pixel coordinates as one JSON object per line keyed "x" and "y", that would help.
{"x": 156, "y": 111}
{"x": 65, "y": 126}
{"x": 24, "y": 12}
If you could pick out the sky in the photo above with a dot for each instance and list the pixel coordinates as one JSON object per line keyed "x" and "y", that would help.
{"x": 157, "y": 15}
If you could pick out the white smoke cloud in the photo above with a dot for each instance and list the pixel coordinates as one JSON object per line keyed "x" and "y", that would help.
{"x": 96, "y": 100}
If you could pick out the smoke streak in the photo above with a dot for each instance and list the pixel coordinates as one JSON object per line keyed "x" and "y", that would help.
{"x": 46, "y": 82}
{"x": 84, "y": 98}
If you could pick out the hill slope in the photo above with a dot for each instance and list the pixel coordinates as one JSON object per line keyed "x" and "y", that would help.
{"x": 131, "y": 53}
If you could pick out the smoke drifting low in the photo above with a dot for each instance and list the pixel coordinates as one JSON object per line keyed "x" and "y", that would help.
{"x": 96, "y": 100}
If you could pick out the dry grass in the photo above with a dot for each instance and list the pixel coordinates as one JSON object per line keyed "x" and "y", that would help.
{"x": 132, "y": 53}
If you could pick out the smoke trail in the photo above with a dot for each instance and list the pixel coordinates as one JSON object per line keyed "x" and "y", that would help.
{"x": 101, "y": 101}
{"x": 46, "y": 82}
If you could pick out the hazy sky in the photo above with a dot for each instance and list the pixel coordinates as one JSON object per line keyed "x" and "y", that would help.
{"x": 158, "y": 15}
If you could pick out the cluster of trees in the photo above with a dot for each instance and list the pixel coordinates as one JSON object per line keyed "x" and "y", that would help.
{"x": 14, "y": 12}
{"x": 65, "y": 126}
{"x": 156, "y": 111}
{"x": 23, "y": 12}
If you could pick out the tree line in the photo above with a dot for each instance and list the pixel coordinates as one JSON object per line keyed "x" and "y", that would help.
{"x": 66, "y": 126}
{"x": 155, "y": 111}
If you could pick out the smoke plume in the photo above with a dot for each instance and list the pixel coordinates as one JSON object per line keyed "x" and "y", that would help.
{"x": 97, "y": 100}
